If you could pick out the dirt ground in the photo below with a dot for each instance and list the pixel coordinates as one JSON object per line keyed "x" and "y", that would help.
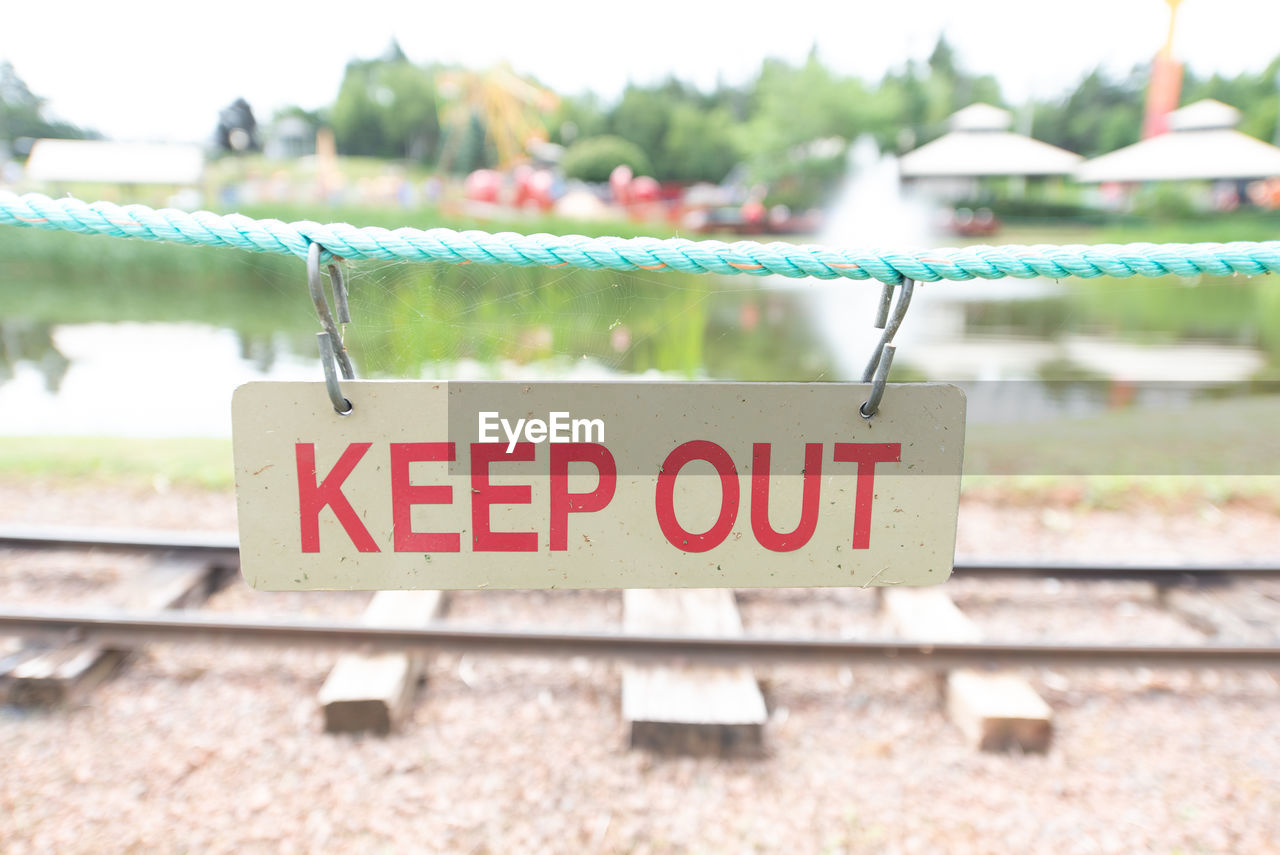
{"x": 196, "y": 748}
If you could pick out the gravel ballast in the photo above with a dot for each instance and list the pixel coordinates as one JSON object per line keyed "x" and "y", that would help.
{"x": 199, "y": 748}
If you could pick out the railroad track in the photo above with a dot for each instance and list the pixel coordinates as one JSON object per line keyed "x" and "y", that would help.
{"x": 220, "y": 553}
{"x": 224, "y": 547}
{"x": 935, "y": 635}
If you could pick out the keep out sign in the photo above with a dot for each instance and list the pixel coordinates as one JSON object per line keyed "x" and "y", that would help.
{"x": 595, "y": 485}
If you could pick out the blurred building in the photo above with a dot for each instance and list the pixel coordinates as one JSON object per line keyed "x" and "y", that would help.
{"x": 980, "y": 152}
{"x": 115, "y": 168}
{"x": 289, "y": 138}
{"x": 1201, "y": 145}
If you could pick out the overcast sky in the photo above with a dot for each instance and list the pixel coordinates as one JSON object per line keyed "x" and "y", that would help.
{"x": 162, "y": 70}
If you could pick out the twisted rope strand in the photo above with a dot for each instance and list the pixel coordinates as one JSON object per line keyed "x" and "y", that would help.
{"x": 651, "y": 254}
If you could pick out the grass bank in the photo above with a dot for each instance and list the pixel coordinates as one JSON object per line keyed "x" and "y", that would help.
{"x": 201, "y": 463}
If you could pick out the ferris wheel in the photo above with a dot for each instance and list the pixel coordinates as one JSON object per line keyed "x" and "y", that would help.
{"x": 510, "y": 110}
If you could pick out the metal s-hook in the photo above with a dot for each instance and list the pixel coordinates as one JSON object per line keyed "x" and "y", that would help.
{"x": 333, "y": 354}
{"x": 877, "y": 371}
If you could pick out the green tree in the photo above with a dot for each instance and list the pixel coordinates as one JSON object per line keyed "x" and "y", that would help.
{"x": 643, "y": 115}
{"x": 802, "y": 119}
{"x": 22, "y": 113}
{"x": 796, "y": 105}
{"x": 907, "y": 88}
{"x": 313, "y": 118}
{"x": 942, "y": 61}
{"x": 699, "y": 145}
{"x": 387, "y": 108}
{"x": 237, "y": 129}
{"x": 685, "y": 134}
{"x": 1256, "y": 96}
{"x": 930, "y": 96}
{"x": 1098, "y": 116}
{"x": 592, "y": 159}
{"x": 577, "y": 117}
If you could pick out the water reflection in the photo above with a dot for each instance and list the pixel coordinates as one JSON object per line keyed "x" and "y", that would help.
{"x": 869, "y": 210}
{"x": 412, "y": 320}
{"x": 31, "y": 343}
{"x": 261, "y": 352}
{"x": 79, "y": 335}
{"x": 125, "y": 379}
{"x": 1035, "y": 349}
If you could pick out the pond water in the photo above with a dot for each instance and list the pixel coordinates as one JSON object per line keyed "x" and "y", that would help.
{"x": 1022, "y": 350}
{"x": 102, "y": 336}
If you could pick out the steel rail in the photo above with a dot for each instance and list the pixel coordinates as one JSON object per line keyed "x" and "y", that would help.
{"x": 121, "y": 628}
{"x": 1117, "y": 571}
{"x": 225, "y": 546}
{"x": 69, "y": 537}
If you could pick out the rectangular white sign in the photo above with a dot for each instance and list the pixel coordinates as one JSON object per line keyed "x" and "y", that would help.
{"x": 596, "y": 485}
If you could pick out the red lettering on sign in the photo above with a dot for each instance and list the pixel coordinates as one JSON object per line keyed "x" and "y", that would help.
{"x": 562, "y": 501}
{"x": 405, "y": 495}
{"x": 313, "y": 497}
{"x": 484, "y": 494}
{"x": 866, "y": 455}
{"x": 764, "y": 532}
{"x": 664, "y": 500}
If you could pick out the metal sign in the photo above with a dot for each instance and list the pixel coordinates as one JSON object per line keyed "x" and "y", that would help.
{"x": 595, "y": 485}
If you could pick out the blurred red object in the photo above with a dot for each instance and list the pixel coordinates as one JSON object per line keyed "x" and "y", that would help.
{"x": 645, "y": 189}
{"x": 533, "y": 187}
{"x": 541, "y": 187}
{"x": 482, "y": 185}
{"x": 620, "y": 183}
{"x": 980, "y": 222}
{"x": 1265, "y": 193}
{"x": 754, "y": 216}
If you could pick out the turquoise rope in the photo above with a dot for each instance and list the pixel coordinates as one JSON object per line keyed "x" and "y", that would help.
{"x": 649, "y": 254}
